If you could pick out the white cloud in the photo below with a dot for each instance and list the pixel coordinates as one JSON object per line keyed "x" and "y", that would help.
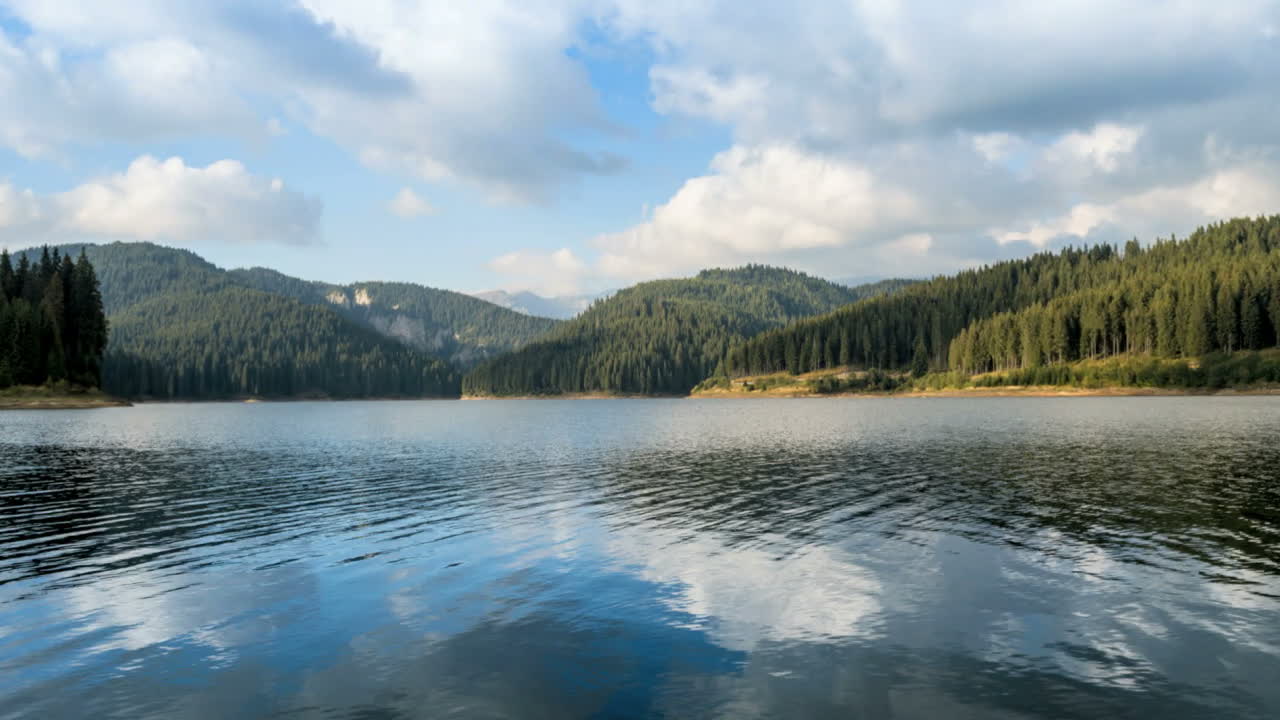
{"x": 1040, "y": 119}
{"x": 164, "y": 200}
{"x": 843, "y": 71}
{"x": 912, "y": 244}
{"x": 1079, "y": 222}
{"x": 560, "y": 272}
{"x": 1101, "y": 148}
{"x": 19, "y": 208}
{"x": 482, "y": 93}
{"x": 408, "y": 204}
{"x": 760, "y": 202}
{"x": 151, "y": 89}
{"x": 1243, "y": 191}
{"x": 1045, "y": 120}
{"x": 998, "y": 147}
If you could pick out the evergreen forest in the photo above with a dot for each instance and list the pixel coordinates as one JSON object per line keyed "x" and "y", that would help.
{"x": 664, "y": 336}
{"x": 182, "y": 328}
{"x": 1216, "y": 291}
{"x": 52, "y": 325}
{"x": 1178, "y": 312}
{"x": 238, "y": 342}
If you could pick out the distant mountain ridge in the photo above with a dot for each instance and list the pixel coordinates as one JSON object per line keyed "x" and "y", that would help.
{"x": 561, "y": 307}
{"x": 458, "y": 327}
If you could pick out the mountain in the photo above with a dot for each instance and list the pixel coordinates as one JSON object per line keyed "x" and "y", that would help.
{"x": 658, "y": 337}
{"x": 237, "y": 341}
{"x": 1216, "y": 291}
{"x": 182, "y": 327}
{"x": 460, "y": 328}
{"x": 561, "y": 307}
{"x": 875, "y": 287}
{"x": 872, "y": 280}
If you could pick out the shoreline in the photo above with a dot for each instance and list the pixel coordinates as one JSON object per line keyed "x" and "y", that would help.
{"x": 81, "y": 402}
{"x": 275, "y": 400}
{"x": 1009, "y": 391}
{"x": 59, "y": 402}
{"x": 578, "y": 396}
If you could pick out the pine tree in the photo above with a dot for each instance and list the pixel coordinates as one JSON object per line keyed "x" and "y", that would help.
{"x": 1227, "y": 322}
{"x": 6, "y": 338}
{"x": 24, "y": 285}
{"x": 920, "y": 360}
{"x": 90, "y": 322}
{"x": 1251, "y": 322}
{"x": 7, "y": 280}
{"x": 53, "y": 311}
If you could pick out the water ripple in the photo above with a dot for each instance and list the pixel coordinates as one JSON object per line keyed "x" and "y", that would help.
{"x": 1065, "y": 558}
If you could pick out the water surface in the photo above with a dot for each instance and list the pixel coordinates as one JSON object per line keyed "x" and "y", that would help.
{"x": 850, "y": 558}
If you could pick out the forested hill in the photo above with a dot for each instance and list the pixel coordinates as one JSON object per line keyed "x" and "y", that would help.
{"x": 1217, "y": 290}
{"x": 183, "y": 327}
{"x": 450, "y": 325}
{"x": 237, "y": 341}
{"x": 461, "y": 328}
{"x": 661, "y": 336}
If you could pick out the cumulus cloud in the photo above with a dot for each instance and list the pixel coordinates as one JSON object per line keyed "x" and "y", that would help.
{"x": 559, "y": 272}
{"x": 1244, "y": 191}
{"x": 483, "y": 94}
{"x": 1078, "y": 222}
{"x": 150, "y": 89}
{"x": 1006, "y": 126}
{"x": 998, "y": 147}
{"x": 164, "y": 200}
{"x": 985, "y": 125}
{"x": 759, "y": 202}
{"x": 1102, "y": 148}
{"x": 408, "y": 204}
{"x": 849, "y": 70}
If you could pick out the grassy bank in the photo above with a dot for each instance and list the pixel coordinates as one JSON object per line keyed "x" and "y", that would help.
{"x": 1241, "y": 372}
{"x": 573, "y": 396}
{"x": 56, "y": 397}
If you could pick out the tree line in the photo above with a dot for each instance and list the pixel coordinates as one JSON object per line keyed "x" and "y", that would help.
{"x": 183, "y": 328}
{"x": 1217, "y": 290}
{"x": 1223, "y": 302}
{"x": 242, "y": 342}
{"x": 661, "y": 337}
{"x": 52, "y": 325}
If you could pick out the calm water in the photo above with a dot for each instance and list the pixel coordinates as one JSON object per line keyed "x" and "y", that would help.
{"x": 997, "y": 558}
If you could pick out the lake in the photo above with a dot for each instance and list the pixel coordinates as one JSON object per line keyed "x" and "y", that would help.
{"x": 843, "y": 558}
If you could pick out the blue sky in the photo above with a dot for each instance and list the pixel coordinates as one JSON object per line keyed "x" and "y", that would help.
{"x": 578, "y": 145}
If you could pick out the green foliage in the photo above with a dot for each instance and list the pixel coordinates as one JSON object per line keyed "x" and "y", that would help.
{"x": 237, "y": 341}
{"x": 1212, "y": 292}
{"x": 871, "y": 381}
{"x": 660, "y": 337}
{"x": 52, "y": 325}
{"x": 460, "y": 328}
{"x": 1211, "y": 372}
{"x": 1216, "y": 291}
{"x": 920, "y": 360}
{"x": 184, "y": 328}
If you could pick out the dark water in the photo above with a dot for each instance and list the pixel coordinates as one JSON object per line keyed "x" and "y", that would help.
{"x": 1000, "y": 558}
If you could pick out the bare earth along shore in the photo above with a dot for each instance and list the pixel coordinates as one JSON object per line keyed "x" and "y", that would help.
{"x": 1010, "y": 391}
{"x": 45, "y": 399}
